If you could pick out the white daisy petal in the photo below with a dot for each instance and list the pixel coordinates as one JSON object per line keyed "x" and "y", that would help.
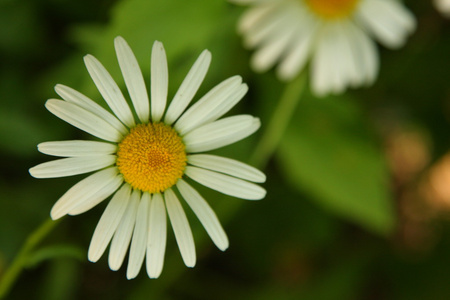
{"x": 226, "y": 184}
{"x": 211, "y": 105}
{"x": 109, "y": 222}
{"x": 97, "y": 186}
{"x": 188, "y": 88}
{"x": 181, "y": 228}
{"x": 365, "y": 54}
{"x": 269, "y": 26}
{"x": 159, "y": 81}
{"x": 109, "y": 90}
{"x": 343, "y": 61}
{"x": 297, "y": 55}
{"x": 389, "y": 21}
{"x": 346, "y": 69}
{"x": 83, "y": 119}
{"x": 204, "y": 213}
{"x": 101, "y": 195}
{"x": 254, "y": 16}
{"x": 323, "y": 67}
{"x": 370, "y": 56}
{"x": 220, "y": 133}
{"x": 72, "y": 166}
{"x": 76, "y": 148}
{"x": 227, "y": 166}
{"x": 157, "y": 234}
{"x": 122, "y": 236}
{"x": 139, "y": 241}
{"x": 133, "y": 79}
{"x": 75, "y": 97}
{"x": 272, "y": 50}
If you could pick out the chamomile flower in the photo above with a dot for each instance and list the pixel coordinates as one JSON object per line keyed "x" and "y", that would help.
{"x": 335, "y": 36}
{"x": 146, "y": 156}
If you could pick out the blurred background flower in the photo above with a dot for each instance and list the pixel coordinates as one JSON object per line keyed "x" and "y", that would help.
{"x": 336, "y": 36}
{"x": 443, "y": 6}
{"x": 354, "y": 208}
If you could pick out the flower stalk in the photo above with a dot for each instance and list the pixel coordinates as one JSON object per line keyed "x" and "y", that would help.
{"x": 20, "y": 261}
{"x": 279, "y": 121}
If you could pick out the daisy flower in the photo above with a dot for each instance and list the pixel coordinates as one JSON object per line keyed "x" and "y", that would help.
{"x": 145, "y": 157}
{"x": 336, "y": 36}
{"x": 443, "y": 6}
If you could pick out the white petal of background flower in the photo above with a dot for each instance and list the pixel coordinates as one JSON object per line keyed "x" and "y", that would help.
{"x": 269, "y": 25}
{"x": 296, "y": 57}
{"x": 139, "y": 240}
{"x": 109, "y": 222}
{"x": 252, "y": 17}
{"x": 364, "y": 53}
{"x": 133, "y": 79}
{"x": 331, "y": 48}
{"x": 323, "y": 69}
{"x": 226, "y": 184}
{"x": 109, "y": 90}
{"x": 389, "y": 21}
{"x": 273, "y": 49}
{"x": 76, "y": 148}
{"x": 443, "y": 6}
{"x": 205, "y": 214}
{"x": 75, "y": 97}
{"x": 188, "y": 88}
{"x": 347, "y": 64}
{"x": 159, "y": 81}
{"x": 220, "y": 133}
{"x": 83, "y": 191}
{"x": 83, "y": 119}
{"x": 157, "y": 235}
{"x": 227, "y": 166}
{"x": 122, "y": 236}
{"x": 72, "y": 166}
{"x": 181, "y": 228}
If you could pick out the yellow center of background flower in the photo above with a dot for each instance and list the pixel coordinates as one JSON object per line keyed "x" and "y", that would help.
{"x": 151, "y": 157}
{"x": 332, "y": 9}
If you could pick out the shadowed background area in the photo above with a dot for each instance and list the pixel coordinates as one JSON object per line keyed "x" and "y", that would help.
{"x": 358, "y": 201}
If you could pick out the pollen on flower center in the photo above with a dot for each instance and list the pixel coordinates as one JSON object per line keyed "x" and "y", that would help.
{"x": 331, "y": 9}
{"x": 151, "y": 157}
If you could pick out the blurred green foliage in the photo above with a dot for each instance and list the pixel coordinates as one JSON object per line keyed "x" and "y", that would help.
{"x": 349, "y": 178}
{"x": 333, "y": 225}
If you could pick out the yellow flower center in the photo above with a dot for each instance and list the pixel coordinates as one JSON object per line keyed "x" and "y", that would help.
{"x": 151, "y": 157}
{"x": 332, "y": 9}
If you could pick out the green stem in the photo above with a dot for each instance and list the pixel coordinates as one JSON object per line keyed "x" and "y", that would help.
{"x": 278, "y": 123}
{"x": 16, "y": 267}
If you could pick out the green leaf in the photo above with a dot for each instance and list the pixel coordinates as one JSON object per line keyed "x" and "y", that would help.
{"x": 329, "y": 152}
